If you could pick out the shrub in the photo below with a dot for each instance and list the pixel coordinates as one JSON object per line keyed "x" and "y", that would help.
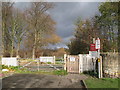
{"x": 5, "y": 67}
{"x": 11, "y": 67}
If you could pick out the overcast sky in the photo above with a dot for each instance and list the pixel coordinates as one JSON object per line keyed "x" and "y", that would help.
{"x": 65, "y": 14}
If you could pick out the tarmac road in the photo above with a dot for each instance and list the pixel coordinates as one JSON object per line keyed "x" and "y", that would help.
{"x": 43, "y": 81}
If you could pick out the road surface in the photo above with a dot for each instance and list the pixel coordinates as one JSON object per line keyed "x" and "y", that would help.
{"x": 43, "y": 81}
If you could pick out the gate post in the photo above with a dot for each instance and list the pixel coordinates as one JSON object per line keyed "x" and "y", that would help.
{"x": 65, "y": 57}
{"x": 101, "y": 67}
{"x": 80, "y": 63}
{"x": 54, "y": 59}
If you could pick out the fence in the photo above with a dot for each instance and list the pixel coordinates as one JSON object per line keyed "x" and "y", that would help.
{"x": 10, "y": 61}
{"x": 46, "y": 59}
{"x": 86, "y": 62}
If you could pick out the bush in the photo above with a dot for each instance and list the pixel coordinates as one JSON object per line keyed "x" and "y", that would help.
{"x": 14, "y": 67}
{"x": 11, "y": 67}
{"x": 5, "y": 67}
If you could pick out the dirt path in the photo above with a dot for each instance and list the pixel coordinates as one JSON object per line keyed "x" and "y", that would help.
{"x": 43, "y": 81}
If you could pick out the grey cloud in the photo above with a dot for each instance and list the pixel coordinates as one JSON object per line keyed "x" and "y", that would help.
{"x": 65, "y": 14}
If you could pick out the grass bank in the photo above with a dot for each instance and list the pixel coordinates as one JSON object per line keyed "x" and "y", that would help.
{"x": 102, "y": 83}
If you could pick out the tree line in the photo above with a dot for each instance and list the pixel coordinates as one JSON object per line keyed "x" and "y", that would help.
{"x": 29, "y": 30}
{"x": 103, "y": 25}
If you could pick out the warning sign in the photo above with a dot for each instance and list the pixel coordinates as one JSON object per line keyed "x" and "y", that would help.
{"x": 72, "y": 58}
{"x": 92, "y": 47}
{"x": 98, "y": 59}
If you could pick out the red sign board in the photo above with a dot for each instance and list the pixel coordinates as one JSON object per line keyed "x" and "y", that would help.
{"x": 92, "y": 47}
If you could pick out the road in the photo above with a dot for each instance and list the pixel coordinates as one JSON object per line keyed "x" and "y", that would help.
{"x": 43, "y": 81}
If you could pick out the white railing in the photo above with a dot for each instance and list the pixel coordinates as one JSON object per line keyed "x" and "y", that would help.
{"x": 46, "y": 59}
{"x": 10, "y": 61}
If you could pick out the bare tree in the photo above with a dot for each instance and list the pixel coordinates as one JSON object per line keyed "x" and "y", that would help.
{"x": 13, "y": 28}
{"x": 36, "y": 18}
{"x": 21, "y": 29}
{"x": 6, "y": 18}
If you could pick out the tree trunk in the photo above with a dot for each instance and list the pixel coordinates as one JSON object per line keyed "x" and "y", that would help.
{"x": 11, "y": 54}
{"x": 3, "y": 50}
{"x": 18, "y": 48}
{"x": 33, "y": 53}
{"x": 34, "y": 46}
{"x": 13, "y": 34}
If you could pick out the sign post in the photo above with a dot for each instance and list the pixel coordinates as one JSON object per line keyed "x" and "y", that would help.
{"x": 97, "y": 46}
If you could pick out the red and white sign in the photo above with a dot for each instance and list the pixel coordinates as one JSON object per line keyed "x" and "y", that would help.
{"x": 92, "y": 47}
{"x": 97, "y": 43}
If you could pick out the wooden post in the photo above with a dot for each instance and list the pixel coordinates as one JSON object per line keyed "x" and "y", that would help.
{"x": 65, "y": 56}
{"x": 93, "y": 40}
{"x": 80, "y": 63}
{"x": 94, "y": 61}
{"x": 68, "y": 63}
{"x": 97, "y": 46}
{"x": 99, "y": 64}
{"x": 38, "y": 65}
{"x": 54, "y": 59}
{"x": 101, "y": 67}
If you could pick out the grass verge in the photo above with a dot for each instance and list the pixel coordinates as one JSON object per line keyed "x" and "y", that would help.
{"x": 102, "y": 82}
{"x": 60, "y": 72}
{"x": 55, "y": 72}
{"x": 18, "y": 70}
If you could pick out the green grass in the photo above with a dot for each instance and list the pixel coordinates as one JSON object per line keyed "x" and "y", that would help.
{"x": 55, "y": 72}
{"x": 48, "y": 62}
{"x": 33, "y": 72}
{"x": 58, "y": 59}
{"x": 102, "y": 83}
{"x": 60, "y": 72}
{"x": 58, "y": 63}
{"x": 17, "y": 69}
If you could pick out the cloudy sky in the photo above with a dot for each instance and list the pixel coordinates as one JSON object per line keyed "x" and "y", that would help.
{"x": 65, "y": 14}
